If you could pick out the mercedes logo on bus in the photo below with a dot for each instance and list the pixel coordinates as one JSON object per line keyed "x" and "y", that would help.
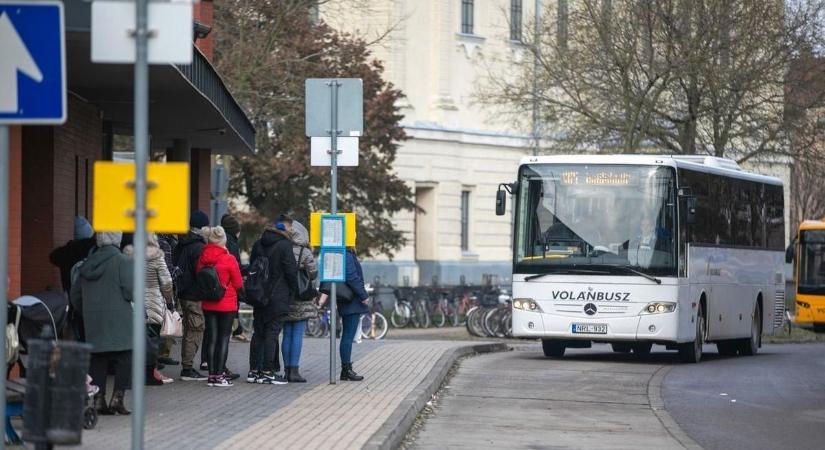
{"x": 590, "y": 309}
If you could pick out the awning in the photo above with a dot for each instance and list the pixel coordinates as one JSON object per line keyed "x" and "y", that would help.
{"x": 185, "y": 102}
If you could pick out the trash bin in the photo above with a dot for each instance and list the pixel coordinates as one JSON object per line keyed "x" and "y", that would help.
{"x": 55, "y": 392}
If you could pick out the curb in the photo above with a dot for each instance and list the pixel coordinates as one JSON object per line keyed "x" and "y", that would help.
{"x": 657, "y": 404}
{"x": 395, "y": 428}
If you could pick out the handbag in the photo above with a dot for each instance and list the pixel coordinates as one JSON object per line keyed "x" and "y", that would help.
{"x": 172, "y": 324}
{"x": 306, "y": 291}
{"x": 343, "y": 293}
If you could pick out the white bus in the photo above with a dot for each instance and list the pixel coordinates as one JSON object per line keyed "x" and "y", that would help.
{"x": 636, "y": 250}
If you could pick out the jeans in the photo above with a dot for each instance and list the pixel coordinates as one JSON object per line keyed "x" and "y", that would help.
{"x": 351, "y": 322}
{"x": 292, "y": 343}
{"x": 98, "y": 369}
{"x": 263, "y": 354}
{"x": 219, "y": 329}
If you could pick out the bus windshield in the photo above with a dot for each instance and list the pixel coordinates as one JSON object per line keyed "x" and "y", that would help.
{"x": 812, "y": 262}
{"x": 595, "y": 218}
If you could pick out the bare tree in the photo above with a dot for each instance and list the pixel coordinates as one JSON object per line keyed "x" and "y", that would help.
{"x": 676, "y": 76}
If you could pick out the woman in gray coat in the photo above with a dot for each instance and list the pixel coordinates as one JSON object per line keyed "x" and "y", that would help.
{"x": 299, "y": 310}
{"x": 104, "y": 299}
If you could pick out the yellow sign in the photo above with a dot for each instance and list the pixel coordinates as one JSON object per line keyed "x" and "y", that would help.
{"x": 315, "y": 228}
{"x": 167, "y": 197}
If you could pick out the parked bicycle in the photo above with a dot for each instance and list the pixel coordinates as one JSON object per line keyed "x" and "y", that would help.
{"x": 374, "y": 325}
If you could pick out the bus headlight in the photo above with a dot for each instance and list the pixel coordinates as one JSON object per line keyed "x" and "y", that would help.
{"x": 659, "y": 308}
{"x": 526, "y": 304}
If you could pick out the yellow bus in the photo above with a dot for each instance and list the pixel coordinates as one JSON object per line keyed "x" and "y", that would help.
{"x": 810, "y": 275}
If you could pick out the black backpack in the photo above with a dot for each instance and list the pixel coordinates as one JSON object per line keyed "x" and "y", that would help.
{"x": 207, "y": 286}
{"x": 257, "y": 285}
{"x": 306, "y": 289}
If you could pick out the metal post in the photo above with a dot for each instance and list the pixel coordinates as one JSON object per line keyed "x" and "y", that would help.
{"x": 333, "y": 312}
{"x": 536, "y": 19}
{"x": 141, "y": 157}
{"x": 4, "y": 251}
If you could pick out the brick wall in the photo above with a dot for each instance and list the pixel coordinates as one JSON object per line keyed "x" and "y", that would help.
{"x": 204, "y": 13}
{"x": 57, "y": 179}
{"x": 201, "y": 166}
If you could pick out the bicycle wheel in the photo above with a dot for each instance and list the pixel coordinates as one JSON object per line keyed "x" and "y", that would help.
{"x": 454, "y": 319}
{"x": 474, "y": 319}
{"x": 421, "y": 318}
{"x": 489, "y": 324}
{"x": 379, "y": 326}
{"x": 507, "y": 323}
{"x": 439, "y": 317}
{"x": 400, "y": 316}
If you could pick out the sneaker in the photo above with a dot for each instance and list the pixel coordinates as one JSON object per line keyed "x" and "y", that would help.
{"x": 220, "y": 381}
{"x": 231, "y": 376}
{"x": 252, "y": 376}
{"x": 204, "y": 366}
{"x": 192, "y": 375}
{"x": 270, "y": 378}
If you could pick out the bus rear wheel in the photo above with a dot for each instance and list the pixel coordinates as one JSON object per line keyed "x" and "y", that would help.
{"x": 691, "y": 352}
{"x": 749, "y": 346}
{"x": 552, "y": 348}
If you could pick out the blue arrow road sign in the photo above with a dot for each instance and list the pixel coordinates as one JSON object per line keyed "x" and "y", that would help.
{"x": 32, "y": 63}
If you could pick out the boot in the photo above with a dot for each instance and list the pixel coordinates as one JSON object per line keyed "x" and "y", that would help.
{"x": 100, "y": 404}
{"x": 287, "y": 372}
{"x": 117, "y": 406}
{"x": 293, "y": 376}
{"x": 347, "y": 374}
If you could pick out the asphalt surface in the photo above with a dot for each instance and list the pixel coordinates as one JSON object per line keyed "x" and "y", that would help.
{"x": 773, "y": 400}
{"x": 594, "y": 398}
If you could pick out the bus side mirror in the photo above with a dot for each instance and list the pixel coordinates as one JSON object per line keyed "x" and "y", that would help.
{"x": 690, "y": 214}
{"x": 501, "y": 202}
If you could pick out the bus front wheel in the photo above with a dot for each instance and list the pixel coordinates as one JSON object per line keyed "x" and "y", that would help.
{"x": 552, "y": 348}
{"x": 691, "y": 352}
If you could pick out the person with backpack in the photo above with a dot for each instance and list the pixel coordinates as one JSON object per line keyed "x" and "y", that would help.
{"x": 271, "y": 282}
{"x": 219, "y": 314}
{"x": 103, "y": 296}
{"x": 302, "y": 304}
{"x": 186, "y": 255}
{"x": 352, "y": 299}
{"x": 68, "y": 257}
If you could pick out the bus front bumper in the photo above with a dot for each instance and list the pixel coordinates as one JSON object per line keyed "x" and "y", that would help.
{"x": 652, "y": 327}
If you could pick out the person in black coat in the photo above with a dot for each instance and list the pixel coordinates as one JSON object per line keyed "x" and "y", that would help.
{"x": 266, "y": 321}
{"x": 185, "y": 256}
{"x": 352, "y": 303}
{"x": 67, "y": 256}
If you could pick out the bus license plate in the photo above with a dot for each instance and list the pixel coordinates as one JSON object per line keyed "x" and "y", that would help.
{"x": 590, "y": 328}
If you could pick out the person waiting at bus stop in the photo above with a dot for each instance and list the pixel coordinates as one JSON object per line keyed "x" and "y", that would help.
{"x": 103, "y": 296}
{"x": 352, "y": 298}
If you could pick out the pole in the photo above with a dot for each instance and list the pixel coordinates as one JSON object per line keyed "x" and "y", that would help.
{"x": 333, "y": 133}
{"x": 4, "y": 251}
{"x": 141, "y": 157}
{"x": 536, "y": 19}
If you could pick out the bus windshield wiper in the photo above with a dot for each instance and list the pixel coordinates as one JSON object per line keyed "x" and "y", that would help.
{"x": 636, "y": 272}
{"x": 566, "y": 271}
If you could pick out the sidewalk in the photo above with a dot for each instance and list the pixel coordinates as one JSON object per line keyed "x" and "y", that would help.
{"x": 188, "y": 415}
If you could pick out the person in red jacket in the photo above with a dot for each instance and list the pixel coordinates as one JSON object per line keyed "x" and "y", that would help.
{"x": 220, "y": 314}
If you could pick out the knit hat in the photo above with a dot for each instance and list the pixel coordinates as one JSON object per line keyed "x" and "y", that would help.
{"x": 198, "y": 219}
{"x": 230, "y": 225}
{"x": 217, "y": 235}
{"x": 82, "y": 229}
{"x": 109, "y": 238}
{"x": 283, "y": 218}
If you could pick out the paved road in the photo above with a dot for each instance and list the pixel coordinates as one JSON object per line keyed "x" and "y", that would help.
{"x": 594, "y": 398}
{"x": 773, "y": 400}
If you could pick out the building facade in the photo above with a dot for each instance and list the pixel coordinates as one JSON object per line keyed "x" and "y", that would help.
{"x": 192, "y": 117}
